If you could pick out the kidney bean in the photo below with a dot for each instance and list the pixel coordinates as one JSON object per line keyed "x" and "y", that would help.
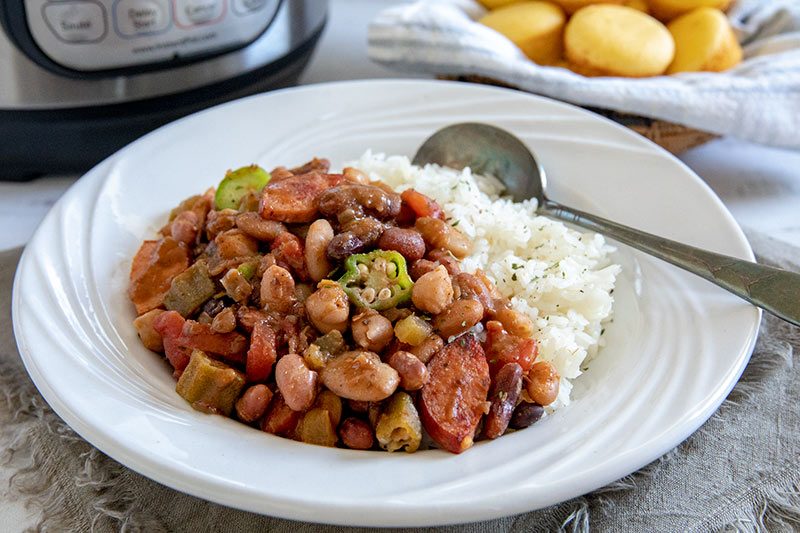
{"x": 356, "y": 236}
{"x": 358, "y": 406}
{"x": 319, "y": 236}
{"x": 433, "y": 292}
{"x": 543, "y": 383}
{"x": 372, "y": 331}
{"x": 458, "y": 318}
{"x": 297, "y": 383}
{"x": 439, "y": 234}
{"x": 413, "y": 372}
{"x": 428, "y": 348}
{"x": 277, "y": 289}
{"x": 253, "y": 403}
{"x": 526, "y": 414}
{"x": 407, "y": 242}
{"x": 356, "y": 434}
{"x": 318, "y": 164}
{"x": 264, "y": 230}
{"x": 360, "y": 375}
{"x": 504, "y": 394}
{"x": 328, "y": 308}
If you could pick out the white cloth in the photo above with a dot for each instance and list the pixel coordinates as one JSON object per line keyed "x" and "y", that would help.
{"x": 758, "y": 100}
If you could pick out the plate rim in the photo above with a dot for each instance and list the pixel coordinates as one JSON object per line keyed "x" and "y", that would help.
{"x": 190, "y": 483}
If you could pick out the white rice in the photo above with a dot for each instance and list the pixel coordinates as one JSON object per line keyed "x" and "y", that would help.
{"x": 561, "y": 278}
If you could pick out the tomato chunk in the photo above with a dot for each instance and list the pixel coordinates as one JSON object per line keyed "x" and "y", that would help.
{"x": 262, "y": 353}
{"x": 170, "y": 325}
{"x": 421, "y": 205}
{"x": 503, "y": 348}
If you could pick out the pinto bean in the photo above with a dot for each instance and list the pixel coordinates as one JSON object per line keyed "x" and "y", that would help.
{"x": 439, "y": 234}
{"x": 428, "y": 348}
{"x": 543, "y": 383}
{"x": 224, "y": 322}
{"x": 297, "y": 383}
{"x": 253, "y": 403}
{"x": 317, "y": 164}
{"x": 360, "y": 375}
{"x": 406, "y": 241}
{"x": 356, "y": 236}
{"x": 319, "y": 236}
{"x": 458, "y": 317}
{"x": 328, "y": 308}
{"x": 413, "y": 372}
{"x": 356, "y": 434}
{"x": 433, "y": 292}
{"x": 185, "y": 227}
{"x": 513, "y": 321}
{"x": 354, "y": 175}
{"x": 467, "y": 286}
{"x": 372, "y": 331}
{"x": 367, "y": 200}
{"x": 420, "y": 267}
{"x": 505, "y": 391}
{"x": 445, "y": 258}
{"x": 264, "y": 230}
{"x": 235, "y": 243}
{"x": 220, "y": 221}
{"x": 277, "y": 289}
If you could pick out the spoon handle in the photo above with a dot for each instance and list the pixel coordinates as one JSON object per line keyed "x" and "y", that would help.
{"x": 774, "y": 290}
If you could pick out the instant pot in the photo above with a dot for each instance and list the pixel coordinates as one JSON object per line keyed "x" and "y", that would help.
{"x": 81, "y": 78}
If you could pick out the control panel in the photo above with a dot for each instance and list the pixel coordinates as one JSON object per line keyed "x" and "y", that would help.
{"x": 93, "y": 35}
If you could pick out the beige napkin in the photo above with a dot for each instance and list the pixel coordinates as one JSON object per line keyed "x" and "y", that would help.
{"x": 740, "y": 471}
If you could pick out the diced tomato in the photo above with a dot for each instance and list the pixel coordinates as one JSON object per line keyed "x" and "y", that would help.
{"x": 230, "y": 346}
{"x": 289, "y": 253}
{"x": 262, "y": 353}
{"x": 421, "y": 205}
{"x": 503, "y": 348}
{"x": 170, "y": 325}
{"x": 280, "y": 419}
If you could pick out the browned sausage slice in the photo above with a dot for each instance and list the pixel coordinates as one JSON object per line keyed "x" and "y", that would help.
{"x": 454, "y": 399}
{"x": 296, "y": 198}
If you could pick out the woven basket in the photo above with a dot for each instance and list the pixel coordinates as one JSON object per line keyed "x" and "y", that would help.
{"x": 672, "y": 137}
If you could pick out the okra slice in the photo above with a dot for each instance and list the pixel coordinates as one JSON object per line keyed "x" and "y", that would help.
{"x": 399, "y": 425}
{"x": 190, "y": 290}
{"x": 239, "y": 183}
{"x": 377, "y": 280}
{"x": 210, "y": 386}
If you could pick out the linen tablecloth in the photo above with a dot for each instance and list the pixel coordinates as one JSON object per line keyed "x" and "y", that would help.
{"x": 740, "y": 471}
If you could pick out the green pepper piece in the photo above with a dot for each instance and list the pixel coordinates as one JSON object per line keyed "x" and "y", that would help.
{"x": 237, "y": 184}
{"x": 248, "y": 270}
{"x": 377, "y": 280}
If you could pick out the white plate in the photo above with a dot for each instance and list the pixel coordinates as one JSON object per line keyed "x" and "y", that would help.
{"x": 675, "y": 349}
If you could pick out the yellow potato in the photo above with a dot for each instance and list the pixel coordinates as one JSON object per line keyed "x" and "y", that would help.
{"x": 638, "y": 5}
{"x": 571, "y": 6}
{"x": 667, "y": 10}
{"x": 614, "y": 40}
{"x": 536, "y": 27}
{"x": 494, "y": 4}
{"x": 704, "y": 41}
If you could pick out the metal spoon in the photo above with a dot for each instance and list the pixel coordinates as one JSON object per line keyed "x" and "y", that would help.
{"x": 490, "y": 150}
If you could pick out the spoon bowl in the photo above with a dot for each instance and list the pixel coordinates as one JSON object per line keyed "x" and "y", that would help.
{"x": 487, "y": 149}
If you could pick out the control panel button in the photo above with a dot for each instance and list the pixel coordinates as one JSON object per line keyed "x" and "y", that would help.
{"x": 141, "y": 17}
{"x": 76, "y": 22}
{"x": 196, "y": 12}
{"x": 245, "y": 7}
